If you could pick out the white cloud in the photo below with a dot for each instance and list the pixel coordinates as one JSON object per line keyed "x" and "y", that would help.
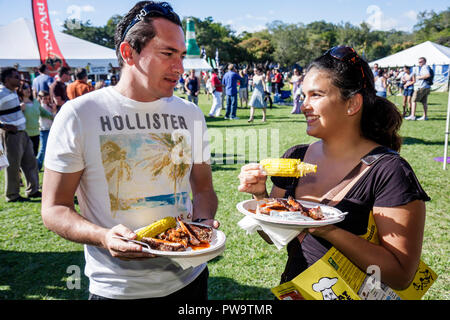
{"x": 411, "y": 14}
{"x": 88, "y": 8}
{"x": 241, "y": 28}
{"x": 378, "y": 21}
{"x": 252, "y": 17}
{"x": 76, "y": 11}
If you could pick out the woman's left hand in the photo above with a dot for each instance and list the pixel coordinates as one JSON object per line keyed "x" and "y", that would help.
{"x": 321, "y": 231}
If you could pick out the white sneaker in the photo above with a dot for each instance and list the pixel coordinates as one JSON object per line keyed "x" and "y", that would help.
{"x": 410, "y": 118}
{"x": 423, "y": 118}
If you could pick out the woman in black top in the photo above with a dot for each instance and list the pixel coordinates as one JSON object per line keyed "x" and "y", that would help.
{"x": 352, "y": 123}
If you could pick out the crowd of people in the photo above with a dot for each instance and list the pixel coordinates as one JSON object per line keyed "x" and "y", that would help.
{"x": 88, "y": 154}
{"x": 27, "y": 111}
{"x": 413, "y": 86}
{"x": 247, "y": 87}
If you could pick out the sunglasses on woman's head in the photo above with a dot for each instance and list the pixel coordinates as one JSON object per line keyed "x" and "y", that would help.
{"x": 347, "y": 54}
{"x": 153, "y": 9}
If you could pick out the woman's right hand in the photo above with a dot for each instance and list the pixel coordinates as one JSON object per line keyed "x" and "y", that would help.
{"x": 253, "y": 180}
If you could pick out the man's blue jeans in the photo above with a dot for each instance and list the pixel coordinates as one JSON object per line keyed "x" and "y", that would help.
{"x": 231, "y": 106}
{"x": 43, "y": 137}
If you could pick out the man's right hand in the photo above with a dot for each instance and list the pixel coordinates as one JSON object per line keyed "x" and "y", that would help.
{"x": 9, "y": 128}
{"x": 123, "y": 249}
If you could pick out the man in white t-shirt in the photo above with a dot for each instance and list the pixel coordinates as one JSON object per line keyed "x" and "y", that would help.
{"x": 422, "y": 91}
{"x": 133, "y": 153}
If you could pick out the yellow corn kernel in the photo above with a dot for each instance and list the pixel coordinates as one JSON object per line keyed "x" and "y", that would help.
{"x": 287, "y": 167}
{"x": 156, "y": 228}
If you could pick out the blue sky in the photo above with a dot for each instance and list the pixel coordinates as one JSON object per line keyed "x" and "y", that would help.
{"x": 243, "y": 15}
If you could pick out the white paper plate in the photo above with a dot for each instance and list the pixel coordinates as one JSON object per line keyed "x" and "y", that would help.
{"x": 218, "y": 240}
{"x": 286, "y": 218}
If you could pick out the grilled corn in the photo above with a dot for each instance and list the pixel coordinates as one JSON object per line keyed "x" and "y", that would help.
{"x": 287, "y": 167}
{"x": 156, "y": 228}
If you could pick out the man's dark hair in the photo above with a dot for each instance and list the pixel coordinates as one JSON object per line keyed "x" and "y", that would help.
{"x": 141, "y": 33}
{"x": 63, "y": 70}
{"x": 42, "y": 68}
{"x": 7, "y": 72}
{"x": 80, "y": 74}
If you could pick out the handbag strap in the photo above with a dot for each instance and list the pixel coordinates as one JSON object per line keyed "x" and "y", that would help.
{"x": 336, "y": 194}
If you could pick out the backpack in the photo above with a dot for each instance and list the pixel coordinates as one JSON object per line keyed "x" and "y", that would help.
{"x": 429, "y": 80}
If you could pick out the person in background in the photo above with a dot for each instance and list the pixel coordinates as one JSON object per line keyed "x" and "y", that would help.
{"x": 277, "y": 85}
{"x": 216, "y": 85}
{"x": 15, "y": 141}
{"x": 268, "y": 88}
{"x": 208, "y": 87}
{"x": 407, "y": 81}
{"x": 358, "y": 133}
{"x": 380, "y": 83}
{"x": 80, "y": 86}
{"x": 257, "y": 99}
{"x": 192, "y": 86}
{"x": 43, "y": 81}
{"x": 99, "y": 84}
{"x": 45, "y": 124}
{"x": 296, "y": 81}
{"x": 422, "y": 92}
{"x": 230, "y": 80}
{"x": 113, "y": 80}
{"x": 243, "y": 88}
{"x": 32, "y": 110}
{"x": 58, "y": 89}
{"x": 375, "y": 70}
{"x": 92, "y": 156}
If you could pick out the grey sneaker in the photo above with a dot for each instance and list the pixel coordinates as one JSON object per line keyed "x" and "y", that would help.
{"x": 423, "y": 118}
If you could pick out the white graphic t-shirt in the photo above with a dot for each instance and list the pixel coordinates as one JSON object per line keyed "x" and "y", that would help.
{"x": 137, "y": 158}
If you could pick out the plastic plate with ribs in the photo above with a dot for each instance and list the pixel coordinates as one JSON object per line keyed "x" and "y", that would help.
{"x": 216, "y": 243}
{"x": 282, "y": 216}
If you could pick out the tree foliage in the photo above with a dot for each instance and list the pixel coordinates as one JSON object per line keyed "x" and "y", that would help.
{"x": 289, "y": 44}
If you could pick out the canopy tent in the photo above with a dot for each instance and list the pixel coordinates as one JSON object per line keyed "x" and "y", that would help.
{"x": 438, "y": 57}
{"x": 435, "y": 54}
{"x": 18, "y": 45}
{"x": 196, "y": 64}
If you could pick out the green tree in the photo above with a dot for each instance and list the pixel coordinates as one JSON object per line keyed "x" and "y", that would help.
{"x": 433, "y": 27}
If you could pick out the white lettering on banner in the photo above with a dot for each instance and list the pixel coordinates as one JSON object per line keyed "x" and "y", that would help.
{"x": 44, "y": 25}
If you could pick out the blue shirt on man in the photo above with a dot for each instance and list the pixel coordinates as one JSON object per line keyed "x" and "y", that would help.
{"x": 230, "y": 80}
{"x": 42, "y": 83}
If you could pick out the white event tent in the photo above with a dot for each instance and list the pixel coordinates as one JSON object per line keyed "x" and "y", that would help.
{"x": 435, "y": 54}
{"x": 18, "y": 45}
{"x": 196, "y": 64}
{"x": 438, "y": 57}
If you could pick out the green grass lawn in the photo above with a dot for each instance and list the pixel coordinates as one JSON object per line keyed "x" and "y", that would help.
{"x": 34, "y": 261}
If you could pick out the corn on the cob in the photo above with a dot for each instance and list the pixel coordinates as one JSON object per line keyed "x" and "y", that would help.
{"x": 156, "y": 228}
{"x": 287, "y": 167}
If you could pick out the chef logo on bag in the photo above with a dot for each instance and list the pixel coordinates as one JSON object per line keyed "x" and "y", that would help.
{"x": 324, "y": 286}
